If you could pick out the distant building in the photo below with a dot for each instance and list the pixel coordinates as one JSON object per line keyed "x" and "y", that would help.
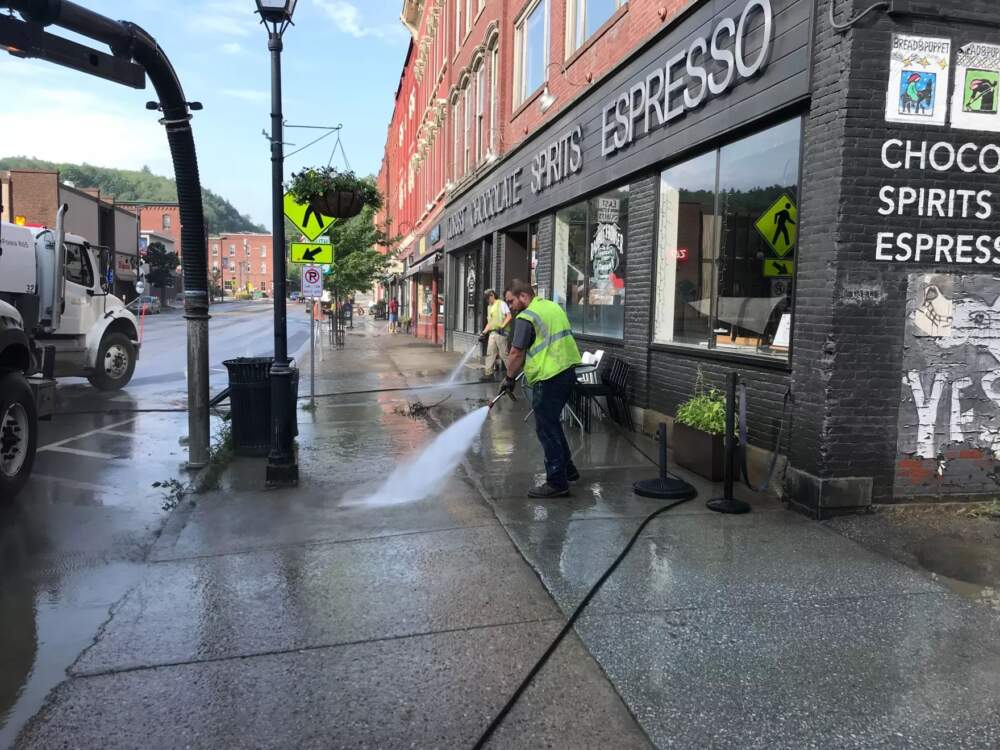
{"x": 244, "y": 261}
{"x": 34, "y": 196}
{"x": 162, "y": 217}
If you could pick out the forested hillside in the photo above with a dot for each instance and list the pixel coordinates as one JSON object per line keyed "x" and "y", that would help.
{"x": 130, "y": 185}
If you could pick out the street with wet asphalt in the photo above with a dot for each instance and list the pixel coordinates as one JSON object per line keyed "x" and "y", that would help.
{"x": 248, "y": 617}
{"x": 75, "y": 541}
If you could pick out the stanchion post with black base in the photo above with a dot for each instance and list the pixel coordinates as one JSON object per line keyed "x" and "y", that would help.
{"x": 727, "y": 503}
{"x": 664, "y": 487}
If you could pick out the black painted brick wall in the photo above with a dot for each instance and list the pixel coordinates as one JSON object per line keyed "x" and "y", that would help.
{"x": 848, "y": 355}
{"x": 640, "y": 245}
{"x": 546, "y": 245}
{"x": 819, "y": 195}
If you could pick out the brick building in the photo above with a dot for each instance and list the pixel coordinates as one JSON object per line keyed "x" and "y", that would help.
{"x": 717, "y": 187}
{"x": 244, "y": 261}
{"x": 34, "y": 196}
{"x": 161, "y": 217}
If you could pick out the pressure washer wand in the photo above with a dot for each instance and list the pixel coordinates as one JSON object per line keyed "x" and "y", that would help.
{"x": 500, "y": 396}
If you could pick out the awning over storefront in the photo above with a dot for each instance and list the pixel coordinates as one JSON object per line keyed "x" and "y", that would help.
{"x": 422, "y": 266}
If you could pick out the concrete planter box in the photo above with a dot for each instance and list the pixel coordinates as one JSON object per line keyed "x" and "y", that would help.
{"x": 698, "y": 451}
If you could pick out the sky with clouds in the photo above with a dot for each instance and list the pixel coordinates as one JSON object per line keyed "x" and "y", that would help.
{"x": 341, "y": 64}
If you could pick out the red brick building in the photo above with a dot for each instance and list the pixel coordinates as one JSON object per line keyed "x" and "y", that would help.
{"x": 244, "y": 261}
{"x": 480, "y": 77}
{"x": 160, "y": 217}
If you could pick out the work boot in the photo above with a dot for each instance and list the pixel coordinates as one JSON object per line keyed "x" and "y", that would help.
{"x": 546, "y": 490}
{"x": 572, "y": 473}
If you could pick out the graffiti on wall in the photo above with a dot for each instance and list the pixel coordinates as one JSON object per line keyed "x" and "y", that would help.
{"x": 949, "y": 418}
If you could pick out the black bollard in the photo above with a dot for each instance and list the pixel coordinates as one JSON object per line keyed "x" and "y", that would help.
{"x": 727, "y": 503}
{"x": 664, "y": 487}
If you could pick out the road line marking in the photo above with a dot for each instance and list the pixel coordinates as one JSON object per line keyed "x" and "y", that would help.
{"x": 119, "y": 433}
{"x": 78, "y": 452}
{"x": 76, "y": 483}
{"x": 88, "y": 434}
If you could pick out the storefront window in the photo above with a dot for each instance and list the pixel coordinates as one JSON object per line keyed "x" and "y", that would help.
{"x": 467, "y": 293}
{"x": 426, "y": 298}
{"x": 686, "y": 253}
{"x": 589, "y": 263}
{"x": 726, "y": 245}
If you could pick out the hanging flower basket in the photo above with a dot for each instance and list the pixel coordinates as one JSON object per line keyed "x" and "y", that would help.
{"x": 340, "y": 204}
{"x": 339, "y": 195}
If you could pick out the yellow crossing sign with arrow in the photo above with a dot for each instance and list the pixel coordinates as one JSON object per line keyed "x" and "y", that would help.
{"x": 306, "y": 219}
{"x": 312, "y": 252}
{"x": 778, "y": 226}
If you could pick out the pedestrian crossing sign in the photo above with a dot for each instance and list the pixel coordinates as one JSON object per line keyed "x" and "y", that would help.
{"x": 312, "y": 252}
{"x": 306, "y": 219}
{"x": 779, "y": 225}
{"x": 774, "y": 267}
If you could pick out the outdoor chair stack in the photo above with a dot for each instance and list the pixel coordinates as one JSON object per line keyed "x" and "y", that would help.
{"x": 611, "y": 384}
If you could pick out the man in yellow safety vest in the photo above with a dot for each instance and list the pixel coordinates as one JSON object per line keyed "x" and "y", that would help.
{"x": 543, "y": 346}
{"x": 495, "y": 333}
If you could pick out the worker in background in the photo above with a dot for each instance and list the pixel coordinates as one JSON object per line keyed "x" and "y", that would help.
{"x": 495, "y": 333}
{"x": 543, "y": 346}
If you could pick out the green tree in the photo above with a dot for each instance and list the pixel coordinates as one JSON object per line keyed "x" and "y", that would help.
{"x": 357, "y": 260}
{"x": 215, "y": 283}
{"x": 161, "y": 267}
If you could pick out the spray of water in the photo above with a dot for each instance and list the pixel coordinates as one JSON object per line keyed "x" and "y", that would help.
{"x": 424, "y": 475}
{"x": 461, "y": 365}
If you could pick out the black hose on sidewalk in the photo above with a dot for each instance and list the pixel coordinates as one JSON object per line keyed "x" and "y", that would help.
{"x": 498, "y": 719}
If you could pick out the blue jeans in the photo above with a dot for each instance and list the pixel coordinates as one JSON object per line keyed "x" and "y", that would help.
{"x": 548, "y": 399}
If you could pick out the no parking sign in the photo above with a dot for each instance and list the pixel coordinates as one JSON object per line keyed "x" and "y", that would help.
{"x": 312, "y": 282}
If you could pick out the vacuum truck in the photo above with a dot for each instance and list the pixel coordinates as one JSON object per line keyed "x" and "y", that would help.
{"x": 57, "y": 319}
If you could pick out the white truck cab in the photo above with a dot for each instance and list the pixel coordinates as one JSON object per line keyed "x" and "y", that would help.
{"x": 70, "y": 313}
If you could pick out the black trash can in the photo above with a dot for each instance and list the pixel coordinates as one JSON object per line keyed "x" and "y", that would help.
{"x": 250, "y": 404}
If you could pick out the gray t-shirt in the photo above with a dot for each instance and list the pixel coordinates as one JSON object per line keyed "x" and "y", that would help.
{"x": 524, "y": 334}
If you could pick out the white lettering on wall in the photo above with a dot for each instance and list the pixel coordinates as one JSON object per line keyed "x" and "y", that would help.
{"x": 684, "y": 82}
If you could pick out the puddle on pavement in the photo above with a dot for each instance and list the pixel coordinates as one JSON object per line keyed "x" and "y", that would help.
{"x": 968, "y": 567}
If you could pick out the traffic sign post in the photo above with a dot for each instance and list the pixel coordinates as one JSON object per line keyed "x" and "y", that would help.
{"x": 306, "y": 219}
{"x": 312, "y": 288}
{"x": 312, "y": 282}
{"x": 312, "y": 252}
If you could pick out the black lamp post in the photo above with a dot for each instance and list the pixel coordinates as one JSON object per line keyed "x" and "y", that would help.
{"x": 282, "y": 469}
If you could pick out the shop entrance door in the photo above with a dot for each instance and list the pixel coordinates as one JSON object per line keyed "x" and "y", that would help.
{"x": 521, "y": 253}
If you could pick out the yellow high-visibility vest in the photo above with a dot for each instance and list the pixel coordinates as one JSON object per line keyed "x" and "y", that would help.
{"x": 554, "y": 348}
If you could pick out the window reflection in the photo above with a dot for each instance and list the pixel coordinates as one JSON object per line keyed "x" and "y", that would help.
{"x": 726, "y": 255}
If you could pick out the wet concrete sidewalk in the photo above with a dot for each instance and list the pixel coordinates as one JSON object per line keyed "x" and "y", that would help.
{"x": 301, "y": 618}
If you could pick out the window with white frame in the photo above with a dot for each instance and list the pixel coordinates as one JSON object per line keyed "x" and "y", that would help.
{"x": 215, "y": 250}
{"x": 467, "y": 123}
{"x": 480, "y": 92}
{"x": 232, "y": 250}
{"x": 531, "y": 50}
{"x": 494, "y": 95}
{"x": 585, "y": 17}
{"x": 458, "y": 24}
{"x": 456, "y": 166}
{"x": 263, "y": 251}
{"x": 263, "y": 267}
{"x": 468, "y": 16}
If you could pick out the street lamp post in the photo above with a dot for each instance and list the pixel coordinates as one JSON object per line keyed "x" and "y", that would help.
{"x": 282, "y": 469}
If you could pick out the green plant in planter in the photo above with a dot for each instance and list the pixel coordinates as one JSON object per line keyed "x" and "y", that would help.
{"x": 340, "y": 195}
{"x": 704, "y": 411}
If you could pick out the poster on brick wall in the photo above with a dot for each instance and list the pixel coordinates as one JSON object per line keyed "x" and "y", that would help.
{"x": 975, "y": 99}
{"x": 918, "y": 79}
{"x": 948, "y": 438}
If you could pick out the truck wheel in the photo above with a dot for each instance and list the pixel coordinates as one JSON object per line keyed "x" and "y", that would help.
{"x": 18, "y": 433}
{"x": 115, "y": 363}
